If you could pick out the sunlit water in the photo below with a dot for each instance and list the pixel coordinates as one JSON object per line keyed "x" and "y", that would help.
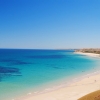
{"x": 25, "y": 71}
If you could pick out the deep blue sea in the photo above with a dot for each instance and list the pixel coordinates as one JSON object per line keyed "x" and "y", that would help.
{"x": 24, "y": 70}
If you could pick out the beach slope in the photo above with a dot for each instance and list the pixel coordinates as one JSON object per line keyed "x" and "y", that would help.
{"x": 72, "y": 92}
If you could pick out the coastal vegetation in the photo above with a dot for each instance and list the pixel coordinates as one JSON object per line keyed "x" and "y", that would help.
{"x": 89, "y": 50}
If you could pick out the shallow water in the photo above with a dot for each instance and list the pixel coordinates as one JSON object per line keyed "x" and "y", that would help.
{"x": 24, "y": 71}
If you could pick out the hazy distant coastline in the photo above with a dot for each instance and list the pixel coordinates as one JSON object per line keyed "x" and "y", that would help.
{"x": 89, "y": 52}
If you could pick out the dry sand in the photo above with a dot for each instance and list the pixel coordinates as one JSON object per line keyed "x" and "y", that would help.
{"x": 74, "y": 91}
{"x": 88, "y": 54}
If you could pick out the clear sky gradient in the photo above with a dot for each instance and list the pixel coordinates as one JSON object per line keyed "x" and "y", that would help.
{"x": 49, "y": 24}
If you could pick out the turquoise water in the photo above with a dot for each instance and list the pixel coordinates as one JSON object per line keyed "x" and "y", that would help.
{"x": 24, "y": 71}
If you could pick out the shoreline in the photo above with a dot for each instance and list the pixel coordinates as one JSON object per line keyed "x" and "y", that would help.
{"x": 88, "y": 54}
{"x": 72, "y": 92}
{"x": 82, "y": 85}
{"x": 76, "y": 88}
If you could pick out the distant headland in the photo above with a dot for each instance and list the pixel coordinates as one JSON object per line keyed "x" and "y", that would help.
{"x": 89, "y": 50}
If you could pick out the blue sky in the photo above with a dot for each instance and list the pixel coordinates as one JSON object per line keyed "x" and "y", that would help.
{"x": 49, "y": 24}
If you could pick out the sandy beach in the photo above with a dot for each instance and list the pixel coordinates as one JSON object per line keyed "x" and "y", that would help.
{"x": 75, "y": 90}
{"x": 88, "y": 54}
{"x": 49, "y": 49}
{"x": 72, "y": 92}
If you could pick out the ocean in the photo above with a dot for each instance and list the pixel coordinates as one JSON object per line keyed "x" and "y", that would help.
{"x": 26, "y": 71}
